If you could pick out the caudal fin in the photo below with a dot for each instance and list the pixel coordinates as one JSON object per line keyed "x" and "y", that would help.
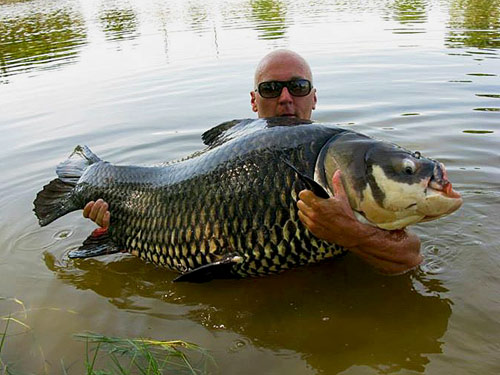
{"x": 55, "y": 199}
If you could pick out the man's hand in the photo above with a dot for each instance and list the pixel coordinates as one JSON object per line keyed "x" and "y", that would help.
{"x": 391, "y": 252}
{"x": 97, "y": 212}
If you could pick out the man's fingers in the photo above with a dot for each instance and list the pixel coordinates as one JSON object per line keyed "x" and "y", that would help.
{"x": 103, "y": 207}
{"x": 307, "y": 196}
{"x": 305, "y": 220}
{"x": 304, "y": 208}
{"x": 106, "y": 219}
{"x": 87, "y": 209}
{"x": 95, "y": 209}
{"x": 97, "y": 212}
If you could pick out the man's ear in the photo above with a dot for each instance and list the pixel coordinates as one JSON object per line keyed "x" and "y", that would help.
{"x": 253, "y": 101}
{"x": 315, "y": 100}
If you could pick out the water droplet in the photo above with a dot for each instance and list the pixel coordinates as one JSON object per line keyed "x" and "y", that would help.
{"x": 239, "y": 344}
{"x": 62, "y": 234}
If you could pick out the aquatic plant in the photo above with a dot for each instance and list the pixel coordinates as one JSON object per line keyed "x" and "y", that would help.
{"x": 106, "y": 355}
{"x": 143, "y": 356}
{"x": 3, "y": 366}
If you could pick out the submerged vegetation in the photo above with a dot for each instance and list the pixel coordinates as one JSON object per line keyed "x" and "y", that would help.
{"x": 106, "y": 355}
{"x": 143, "y": 356}
{"x": 3, "y": 366}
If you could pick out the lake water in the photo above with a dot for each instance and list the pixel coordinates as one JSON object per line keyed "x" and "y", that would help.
{"x": 139, "y": 81}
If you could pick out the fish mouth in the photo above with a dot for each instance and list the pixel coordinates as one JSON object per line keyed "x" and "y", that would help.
{"x": 440, "y": 184}
{"x": 440, "y": 197}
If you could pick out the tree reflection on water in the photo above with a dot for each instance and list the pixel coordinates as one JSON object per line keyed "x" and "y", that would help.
{"x": 409, "y": 11}
{"x": 270, "y": 18}
{"x": 119, "y": 24}
{"x": 40, "y": 41}
{"x": 474, "y": 23}
{"x": 50, "y": 37}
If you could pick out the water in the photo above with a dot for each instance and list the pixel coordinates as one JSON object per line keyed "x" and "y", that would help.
{"x": 139, "y": 81}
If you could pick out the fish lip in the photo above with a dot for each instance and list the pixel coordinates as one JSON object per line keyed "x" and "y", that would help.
{"x": 455, "y": 196}
{"x": 451, "y": 210}
{"x": 440, "y": 184}
{"x": 445, "y": 190}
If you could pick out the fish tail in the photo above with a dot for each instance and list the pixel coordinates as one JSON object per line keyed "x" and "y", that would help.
{"x": 57, "y": 197}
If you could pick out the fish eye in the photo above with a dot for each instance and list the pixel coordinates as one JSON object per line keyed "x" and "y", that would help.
{"x": 409, "y": 167}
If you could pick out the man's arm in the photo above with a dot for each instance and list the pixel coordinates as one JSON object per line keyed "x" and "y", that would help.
{"x": 97, "y": 212}
{"x": 391, "y": 252}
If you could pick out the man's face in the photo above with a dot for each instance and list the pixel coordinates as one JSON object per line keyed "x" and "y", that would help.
{"x": 283, "y": 69}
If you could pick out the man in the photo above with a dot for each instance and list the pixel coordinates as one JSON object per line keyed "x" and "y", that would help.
{"x": 283, "y": 87}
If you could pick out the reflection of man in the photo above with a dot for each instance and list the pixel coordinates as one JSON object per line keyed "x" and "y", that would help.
{"x": 283, "y": 87}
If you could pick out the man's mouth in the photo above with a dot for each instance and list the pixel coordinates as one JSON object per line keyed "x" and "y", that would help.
{"x": 288, "y": 115}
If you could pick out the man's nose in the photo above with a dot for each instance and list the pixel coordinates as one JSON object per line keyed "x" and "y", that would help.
{"x": 285, "y": 96}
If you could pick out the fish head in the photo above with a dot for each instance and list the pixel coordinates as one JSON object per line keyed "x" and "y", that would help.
{"x": 387, "y": 185}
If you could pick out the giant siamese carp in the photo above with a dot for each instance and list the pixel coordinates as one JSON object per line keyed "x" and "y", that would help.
{"x": 230, "y": 210}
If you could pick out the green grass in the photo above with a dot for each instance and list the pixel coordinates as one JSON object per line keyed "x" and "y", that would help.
{"x": 4, "y": 368}
{"x": 106, "y": 355}
{"x": 143, "y": 356}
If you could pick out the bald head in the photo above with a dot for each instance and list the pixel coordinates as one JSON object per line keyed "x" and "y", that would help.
{"x": 278, "y": 59}
{"x": 283, "y": 66}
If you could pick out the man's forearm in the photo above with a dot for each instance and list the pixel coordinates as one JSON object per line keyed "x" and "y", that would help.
{"x": 333, "y": 220}
{"x": 391, "y": 252}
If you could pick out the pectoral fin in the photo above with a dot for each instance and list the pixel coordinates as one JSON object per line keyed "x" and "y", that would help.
{"x": 98, "y": 243}
{"x": 221, "y": 269}
{"x": 309, "y": 182}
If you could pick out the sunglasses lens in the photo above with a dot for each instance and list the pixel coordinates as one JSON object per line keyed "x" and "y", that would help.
{"x": 296, "y": 87}
{"x": 270, "y": 89}
{"x": 299, "y": 87}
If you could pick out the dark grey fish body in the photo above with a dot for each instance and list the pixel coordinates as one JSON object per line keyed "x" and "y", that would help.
{"x": 230, "y": 209}
{"x": 234, "y": 202}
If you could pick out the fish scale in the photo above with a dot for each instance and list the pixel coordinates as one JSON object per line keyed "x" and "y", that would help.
{"x": 134, "y": 221}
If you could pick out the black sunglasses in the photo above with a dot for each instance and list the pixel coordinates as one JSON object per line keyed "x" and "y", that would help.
{"x": 296, "y": 87}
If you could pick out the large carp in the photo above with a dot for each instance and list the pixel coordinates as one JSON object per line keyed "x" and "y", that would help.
{"x": 230, "y": 209}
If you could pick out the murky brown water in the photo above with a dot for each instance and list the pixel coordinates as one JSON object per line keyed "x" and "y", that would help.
{"x": 139, "y": 81}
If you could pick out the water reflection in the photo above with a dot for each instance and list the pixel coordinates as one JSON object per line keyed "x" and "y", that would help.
{"x": 13, "y": 1}
{"x": 409, "y": 11}
{"x": 333, "y": 318}
{"x": 40, "y": 41}
{"x": 198, "y": 17}
{"x": 119, "y": 24}
{"x": 474, "y": 23}
{"x": 270, "y": 17}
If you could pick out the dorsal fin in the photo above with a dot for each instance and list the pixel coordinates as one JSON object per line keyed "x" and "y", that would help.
{"x": 213, "y": 135}
{"x": 286, "y": 121}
